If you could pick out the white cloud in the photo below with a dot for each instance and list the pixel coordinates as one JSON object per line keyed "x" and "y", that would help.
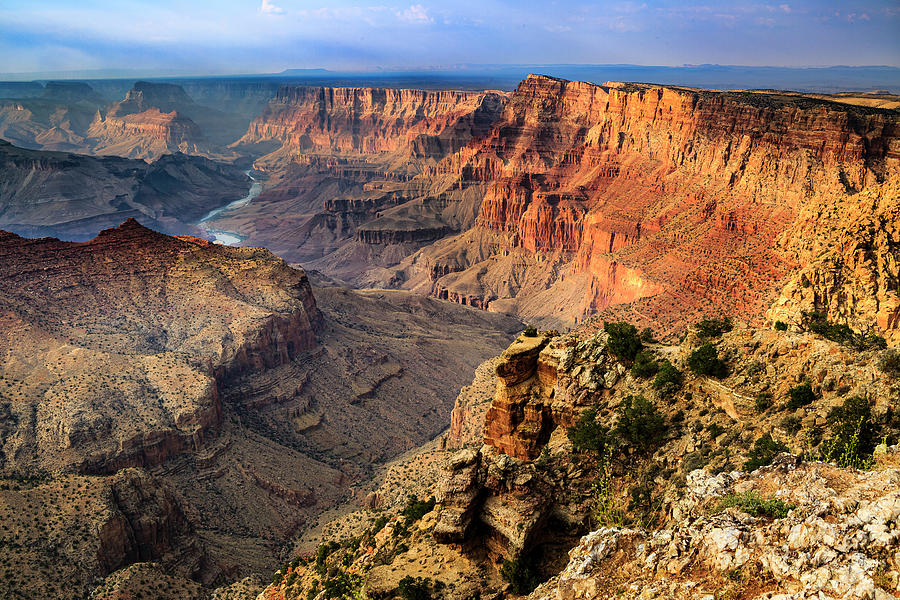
{"x": 270, "y": 9}
{"x": 415, "y": 14}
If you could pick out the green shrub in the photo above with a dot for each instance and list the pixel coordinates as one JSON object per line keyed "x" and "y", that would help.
{"x": 520, "y": 575}
{"x": 781, "y": 326}
{"x": 764, "y": 451}
{"x": 530, "y": 331}
{"x": 754, "y": 505}
{"x": 647, "y": 336}
{"x": 853, "y": 434}
{"x": 644, "y": 365}
{"x": 415, "y": 509}
{"x": 801, "y": 395}
{"x": 668, "y": 379}
{"x": 842, "y": 334}
{"x": 705, "y": 361}
{"x": 342, "y": 585}
{"x": 763, "y": 402}
{"x": 791, "y": 424}
{"x": 414, "y": 588}
{"x": 889, "y": 363}
{"x": 588, "y": 435}
{"x": 712, "y": 328}
{"x": 640, "y": 424}
{"x": 623, "y": 341}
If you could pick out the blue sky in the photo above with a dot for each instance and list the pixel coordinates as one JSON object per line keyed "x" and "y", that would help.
{"x": 247, "y": 36}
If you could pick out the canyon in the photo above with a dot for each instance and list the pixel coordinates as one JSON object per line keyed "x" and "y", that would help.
{"x": 346, "y": 389}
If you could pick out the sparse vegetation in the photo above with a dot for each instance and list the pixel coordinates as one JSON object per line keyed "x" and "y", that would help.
{"x": 520, "y": 575}
{"x": 781, "y": 326}
{"x": 624, "y": 341}
{"x": 415, "y": 588}
{"x": 530, "y": 331}
{"x": 588, "y": 435}
{"x": 801, "y": 395}
{"x": 713, "y": 328}
{"x": 705, "y": 361}
{"x": 763, "y": 402}
{"x": 819, "y": 324}
{"x": 415, "y": 509}
{"x": 853, "y": 434}
{"x": 889, "y": 363}
{"x": 640, "y": 423}
{"x": 668, "y": 379}
{"x": 755, "y": 505}
{"x": 764, "y": 451}
{"x": 644, "y": 365}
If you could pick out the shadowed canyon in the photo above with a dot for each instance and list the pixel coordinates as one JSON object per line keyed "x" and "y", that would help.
{"x": 558, "y": 340}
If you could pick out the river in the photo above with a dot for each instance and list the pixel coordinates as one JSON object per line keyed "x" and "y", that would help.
{"x": 230, "y": 238}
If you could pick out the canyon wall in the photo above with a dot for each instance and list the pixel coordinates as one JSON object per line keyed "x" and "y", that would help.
{"x": 674, "y": 200}
{"x": 365, "y": 121}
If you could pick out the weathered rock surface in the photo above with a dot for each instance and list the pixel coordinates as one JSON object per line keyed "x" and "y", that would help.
{"x": 839, "y": 540}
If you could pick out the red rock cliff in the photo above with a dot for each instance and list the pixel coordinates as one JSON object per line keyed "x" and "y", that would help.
{"x": 647, "y": 189}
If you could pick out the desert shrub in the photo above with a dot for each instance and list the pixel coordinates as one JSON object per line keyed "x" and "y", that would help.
{"x": 715, "y": 430}
{"x": 800, "y": 395}
{"x": 791, "y": 424}
{"x": 588, "y": 435}
{"x": 647, "y": 336}
{"x": 640, "y": 423}
{"x": 623, "y": 341}
{"x": 530, "y": 331}
{"x": 755, "y": 505}
{"x": 889, "y": 363}
{"x": 644, "y": 365}
{"x": 712, "y": 328}
{"x": 668, "y": 379}
{"x": 781, "y": 326}
{"x": 764, "y": 451}
{"x": 853, "y": 434}
{"x": 842, "y": 334}
{"x": 414, "y": 588}
{"x": 322, "y": 554}
{"x": 415, "y": 509}
{"x": 342, "y": 585}
{"x": 705, "y": 361}
{"x": 520, "y": 575}
{"x": 763, "y": 402}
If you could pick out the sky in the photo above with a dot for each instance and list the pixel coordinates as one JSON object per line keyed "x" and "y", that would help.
{"x": 265, "y": 36}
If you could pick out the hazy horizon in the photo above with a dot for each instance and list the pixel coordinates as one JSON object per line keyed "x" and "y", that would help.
{"x": 268, "y": 36}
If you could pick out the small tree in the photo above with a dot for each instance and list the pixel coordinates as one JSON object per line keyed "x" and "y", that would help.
{"x": 781, "y": 326}
{"x": 705, "y": 361}
{"x": 588, "y": 435}
{"x": 520, "y": 576}
{"x": 644, "y": 365}
{"x": 801, "y": 395}
{"x": 764, "y": 451}
{"x": 668, "y": 379}
{"x": 640, "y": 424}
{"x": 711, "y": 328}
{"x": 414, "y": 588}
{"x": 623, "y": 341}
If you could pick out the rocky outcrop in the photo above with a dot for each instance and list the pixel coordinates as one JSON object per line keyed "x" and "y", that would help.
{"x": 838, "y": 540}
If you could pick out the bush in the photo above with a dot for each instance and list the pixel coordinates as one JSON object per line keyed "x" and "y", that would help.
{"x": 644, "y": 365}
{"x": 640, "y": 424}
{"x": 754, "y": 505}
{"x": 705, "y": 361}
{"x": 781, "y": 326}
{"x": 763, "y": 402}
{"x": 801, "y": 395}
{"x": 764, "y": 451}
{"x": 530, "y": 331}
{"x": 415, "y": 509}
{"x": 851, "y": 424}
{"x": 712, "y": 328}
{"x": 520, "y": 576}
{"x": 587, "y": 435}
{"x": 647, "y": 336}
{"x": 842, "y": 334}
{"x": 791, "y": 424}
{"x": 623, "y": 341}
{"x": 889, "y": 363}
{"x": 414, "y": 588}
{"x": 668, "y": 379}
